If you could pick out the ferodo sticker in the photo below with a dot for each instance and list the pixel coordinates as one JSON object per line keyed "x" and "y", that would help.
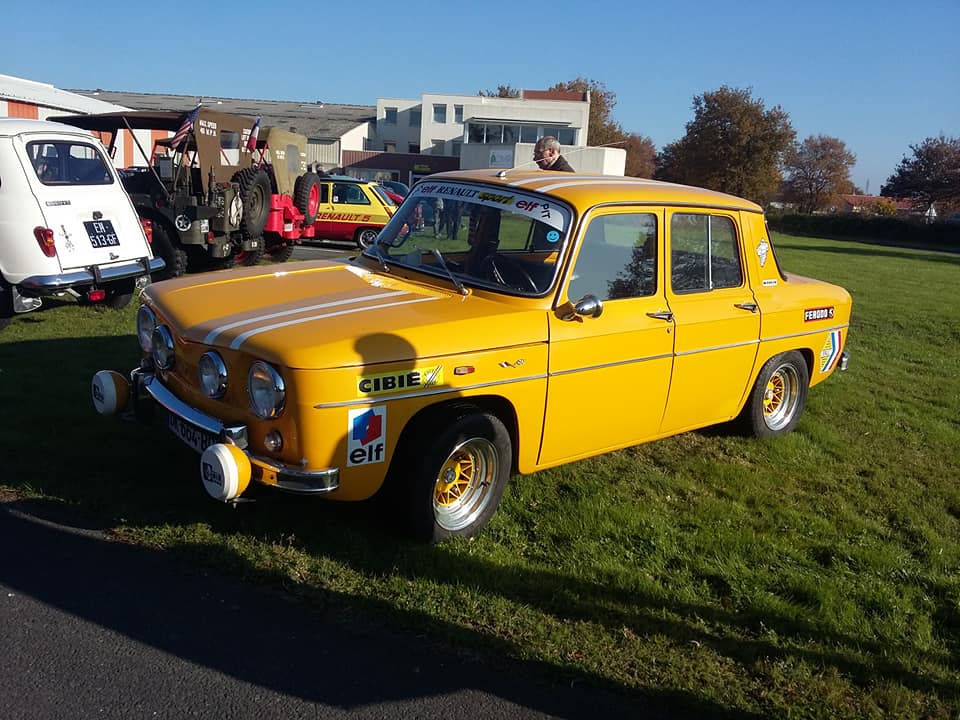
{"x": 397, "y": 381}
{"x": 822, "y": 313}
{"x": 830, "y": 350}
{"x": 366, "y": 435}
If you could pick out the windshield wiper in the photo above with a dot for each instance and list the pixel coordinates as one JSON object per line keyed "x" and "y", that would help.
{"x": 443, "y": 263}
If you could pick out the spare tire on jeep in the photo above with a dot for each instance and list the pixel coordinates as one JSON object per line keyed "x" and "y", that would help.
{"x": 255, "y": 193}
{"x": 306, "y": 196}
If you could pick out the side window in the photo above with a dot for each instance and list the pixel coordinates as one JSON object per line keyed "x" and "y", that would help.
{"x": 618, "y": 258}
{"x": 704, "y": 254}
{"x": 348, "y": 193}
{"x": 324, "y": 193}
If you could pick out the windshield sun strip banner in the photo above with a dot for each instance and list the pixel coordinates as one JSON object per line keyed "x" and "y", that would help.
{"x": 537, "y": 207}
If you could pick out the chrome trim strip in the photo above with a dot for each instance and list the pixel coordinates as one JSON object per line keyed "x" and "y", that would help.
{"x": 717, "y": 347}
{"x": 212, "y": 335}
{"x": 373, "y": 399}
{"x": 604, "y": 366}
{"x": 237, "y": 434}
{"x": 243, "y": 337}
{"x": 809, "y": 332}
{"x": 91, "y": 275}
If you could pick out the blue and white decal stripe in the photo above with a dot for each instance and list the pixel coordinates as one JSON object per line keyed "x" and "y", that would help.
{"x": 243, "y": 337}
{"x": 835, "y": 343}
{"x": 213, "y": 334}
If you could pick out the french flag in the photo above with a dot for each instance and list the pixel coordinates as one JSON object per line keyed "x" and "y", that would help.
{"x": 254, "y": 134}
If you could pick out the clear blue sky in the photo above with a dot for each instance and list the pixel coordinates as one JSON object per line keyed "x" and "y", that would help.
{"x": 878, "y": 75}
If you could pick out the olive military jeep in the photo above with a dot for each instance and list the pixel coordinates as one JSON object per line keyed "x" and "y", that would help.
{"x": 205, "y": 199}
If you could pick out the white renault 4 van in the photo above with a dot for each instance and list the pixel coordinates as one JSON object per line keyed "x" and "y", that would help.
{"x": 66, "y": 223}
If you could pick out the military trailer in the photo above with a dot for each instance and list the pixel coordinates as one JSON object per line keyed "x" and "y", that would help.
{"x": 207, "y": 202}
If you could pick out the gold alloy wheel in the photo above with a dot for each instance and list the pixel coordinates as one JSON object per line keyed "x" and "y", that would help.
{"x": 463, "y": 486}
{"x": 781, "y": 397}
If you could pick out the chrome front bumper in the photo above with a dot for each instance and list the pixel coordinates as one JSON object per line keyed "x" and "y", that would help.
{"x": 147, "y": 388}
{"x": 93, "y": 275}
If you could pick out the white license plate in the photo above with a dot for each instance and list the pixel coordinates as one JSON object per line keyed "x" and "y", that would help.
{"x": 193, "y": 436}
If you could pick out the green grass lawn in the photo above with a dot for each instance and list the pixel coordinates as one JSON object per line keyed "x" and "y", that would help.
{"x": 816, "y": 575}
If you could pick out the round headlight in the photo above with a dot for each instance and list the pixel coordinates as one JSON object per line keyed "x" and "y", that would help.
{"x": 146, "y": 323}
{"x": 213, "y": 375}
{"x": 162, "y": 347}
{"x": 267, "y": 391}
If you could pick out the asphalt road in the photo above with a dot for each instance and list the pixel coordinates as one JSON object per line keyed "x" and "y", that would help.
{"x": 91, "y": 627}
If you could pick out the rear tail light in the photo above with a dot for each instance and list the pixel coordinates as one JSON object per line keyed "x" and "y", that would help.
{"x": 44, "y": 237}
{"x": 147, "y": 229}
{"x": 97, "y": 295}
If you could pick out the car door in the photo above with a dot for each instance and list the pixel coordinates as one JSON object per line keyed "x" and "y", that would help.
{"x": 609, "y": 374}
{"x": 716, "y": 318}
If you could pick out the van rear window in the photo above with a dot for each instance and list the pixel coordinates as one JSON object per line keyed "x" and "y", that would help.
{"x": 68, "y": 163}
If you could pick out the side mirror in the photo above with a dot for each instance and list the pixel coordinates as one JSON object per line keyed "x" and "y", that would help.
{"x": 587, "y": 306}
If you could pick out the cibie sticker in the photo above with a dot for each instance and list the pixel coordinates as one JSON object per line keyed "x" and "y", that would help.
{"x": 366, "y": 436}
{"x": 822, "y": 313}
{"x": 830, "y": 350}
{"x": 399, "y": 381}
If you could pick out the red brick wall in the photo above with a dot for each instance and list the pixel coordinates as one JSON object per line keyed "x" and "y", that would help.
{"x": 22, "y": 110}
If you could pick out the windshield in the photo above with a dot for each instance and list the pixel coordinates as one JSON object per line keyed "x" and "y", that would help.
{"x": 384, "y": 198}
{"x": 491, "y": 237}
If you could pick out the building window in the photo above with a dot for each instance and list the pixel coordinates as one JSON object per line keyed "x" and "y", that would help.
{"x": 528, "y": 134}
{"x": 390, "y": 116}
{"x": 413, "y": 148}
{"x": 438, "y": 147}
{"x": 567, "y": 136}
{"x": 415, "y": 119}
{"x": 439, "y": 113}
{"x": 458, "y": 113}
{"x": 389, "y": 147}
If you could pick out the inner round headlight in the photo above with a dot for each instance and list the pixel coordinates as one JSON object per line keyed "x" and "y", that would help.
{"x": 162, "y": 347}
{"x": 146, "y": 324}
{"x": 266, "y": 389}
{"x": 213, "y": 375}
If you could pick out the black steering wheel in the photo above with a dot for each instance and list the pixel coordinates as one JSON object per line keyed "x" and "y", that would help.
{"x": 496, "y": 267}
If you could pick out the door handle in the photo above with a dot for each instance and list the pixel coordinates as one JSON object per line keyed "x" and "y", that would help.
{"x": 752, "y": 307}
{"x": 667, "y": 315}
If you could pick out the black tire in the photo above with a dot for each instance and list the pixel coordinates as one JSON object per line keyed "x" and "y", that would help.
{"x": 365, "y": 237}
{"x": 282, "y": 253}
{"x": 255, "y": 193}
{"x": 165, "y": 246}
{"x": 6, "y": 303}
{"x": 778, "y": 397}
{"x": 306, "y": 196}
{"x": 248, "y": 258}
{"x": 460, "y": 476}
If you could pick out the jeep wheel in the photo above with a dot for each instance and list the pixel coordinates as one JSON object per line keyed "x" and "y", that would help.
{"x": 778, "y": 397}
{"x": 248, "y": 258}
{"x": 281, "y": 254}
{"x": 306, "y": 196}
{"x": 461, "y": 476}
{"x": 6, "y": 303}
{"x": 365, "y": 237}
{"x": 255, "y": 193}
{"x": 169, "y": 249}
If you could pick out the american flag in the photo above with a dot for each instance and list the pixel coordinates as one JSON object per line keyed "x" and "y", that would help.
{"x": 184, "y": 130}
{"x": 254, "y": 134}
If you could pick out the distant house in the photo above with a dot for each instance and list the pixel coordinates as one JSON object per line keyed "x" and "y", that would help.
{"x": 869, "y": 205}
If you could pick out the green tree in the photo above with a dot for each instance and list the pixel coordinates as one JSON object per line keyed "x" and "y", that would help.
{"x": 817, "y": 170}
{"x": 504, "y": 91}
{"x": 733, "y": 144}
{"x": 641, "y": 156}
{"x": 932, "y": 175}
{"x": 602, "y": 129}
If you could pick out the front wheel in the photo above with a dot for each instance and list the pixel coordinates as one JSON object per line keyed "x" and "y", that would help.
{"x": 461, "y": 477}
{"x": 778, "y": 397}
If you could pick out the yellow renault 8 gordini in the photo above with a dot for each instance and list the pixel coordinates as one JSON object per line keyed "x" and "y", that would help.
{"x": 435, "y": 365}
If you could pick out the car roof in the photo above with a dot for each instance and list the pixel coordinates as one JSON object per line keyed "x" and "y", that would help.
{"x": 347, "y": 178}
{"x": 583, "y": 190}
{"x": 18, "y": 126}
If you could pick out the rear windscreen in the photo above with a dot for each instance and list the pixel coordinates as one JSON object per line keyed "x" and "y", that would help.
{"x": 68, "y": 163}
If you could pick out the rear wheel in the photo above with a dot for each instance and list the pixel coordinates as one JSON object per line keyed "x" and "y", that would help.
{"x": 281, "y": 254}
{"x": 462, "y": 475}
{"x": 778, "y": 397}
{"x": 306, "y": 196}
{"x": 165, "y": 246}
{"x": 365, "y": 237}
{"x": 248, "y": 258}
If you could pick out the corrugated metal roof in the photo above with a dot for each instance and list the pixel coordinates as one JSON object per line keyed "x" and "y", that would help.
{"x": 46, "y": 95}
{"x": 318, "y": 121}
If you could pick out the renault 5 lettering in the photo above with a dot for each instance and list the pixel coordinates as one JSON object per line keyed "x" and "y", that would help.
{"x": 432, "y": 368}
{"x": 66, "y": 223}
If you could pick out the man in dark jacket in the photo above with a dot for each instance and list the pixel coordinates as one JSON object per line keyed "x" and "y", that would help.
{"x": 547, "y": 155}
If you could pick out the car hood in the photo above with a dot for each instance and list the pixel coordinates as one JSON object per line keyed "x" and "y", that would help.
{"x": 323, "y": 314}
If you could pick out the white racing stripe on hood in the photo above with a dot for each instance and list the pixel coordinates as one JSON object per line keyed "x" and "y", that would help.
{"x": 213, "y": 334}
{"x": 240, "y": 339}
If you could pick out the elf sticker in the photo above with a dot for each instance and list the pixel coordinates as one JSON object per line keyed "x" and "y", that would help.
{"x": 366, "y": 436}
{"x": 830, "y": 351}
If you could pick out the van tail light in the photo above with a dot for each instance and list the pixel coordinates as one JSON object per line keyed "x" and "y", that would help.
{"x": 147, "y": 229}
{"x": 44, "y": 236}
